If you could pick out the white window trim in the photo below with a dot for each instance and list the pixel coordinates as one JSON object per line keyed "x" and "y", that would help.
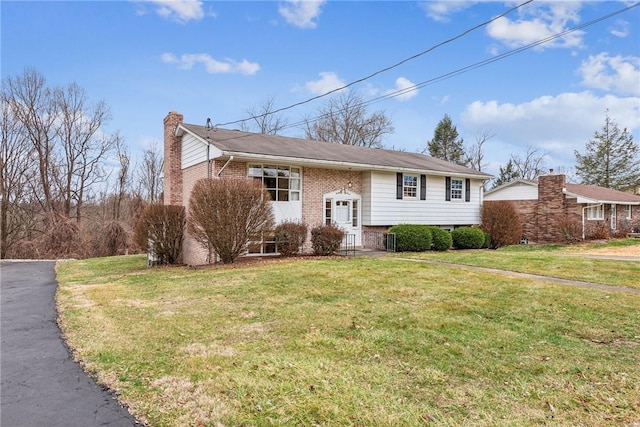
{"x": 627, "y": 212}
{"x": 290, "y": 178}
{"x": 416, "y": 188}
{"x": 462, "y": 190}
{"x": 595, "y": 212}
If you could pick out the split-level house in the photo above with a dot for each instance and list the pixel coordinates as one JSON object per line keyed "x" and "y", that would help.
{"x": 551, "y": 209}
{"x": 362, "y": 190}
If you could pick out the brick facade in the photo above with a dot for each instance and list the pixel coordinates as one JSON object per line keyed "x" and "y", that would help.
{"x": 554, "y": 217}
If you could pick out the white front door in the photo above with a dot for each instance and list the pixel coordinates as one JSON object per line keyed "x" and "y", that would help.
{"x": 342, "y": 209}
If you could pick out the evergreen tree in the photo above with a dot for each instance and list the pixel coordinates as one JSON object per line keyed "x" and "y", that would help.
{"x": 611, "y": 158}
{"x": 507, "y": 174}
{"x": 445, "y": 144}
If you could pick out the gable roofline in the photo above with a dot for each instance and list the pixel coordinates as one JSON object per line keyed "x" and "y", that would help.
{"x": 512, "y": 183}
{"x": 251, "y": 146}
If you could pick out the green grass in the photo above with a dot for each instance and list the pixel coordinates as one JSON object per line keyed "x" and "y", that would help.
{"x": 352, "y": 342}
{"x": 549, "y": 260}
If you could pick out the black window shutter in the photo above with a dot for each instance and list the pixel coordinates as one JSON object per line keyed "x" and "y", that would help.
{"x": 398, "y": 185}
{"x": 447, "y": 191}
{"x": 423, "y": 187}
{"x": 467, "y": 190}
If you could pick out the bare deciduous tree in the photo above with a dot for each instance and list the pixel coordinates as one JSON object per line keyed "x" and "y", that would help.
{"x": 123, "y": 179}
{"x": 474, "y": 156}
{"x": 344, "y": 120}
{"x": 16, "y": 170}
{"x": 82, "y": 145}
{"x": 532, "y": 165}
{"x": 264, "y": 120}
{"x": 149, "y": 174}
{"x": 32, "y": 105}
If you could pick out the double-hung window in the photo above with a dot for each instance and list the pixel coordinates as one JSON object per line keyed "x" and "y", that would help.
{"x": 457, "y": 186}
{"x": 410, "y": 186}
{"x": 595, "y": 212}
{"x": 627, "y": 212}
{"x": 457, "y": 189}
{"x": 282, "y": 182}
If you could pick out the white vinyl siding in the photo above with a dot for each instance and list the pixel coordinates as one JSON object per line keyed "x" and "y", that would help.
{"x": 194, "y": 151}
{"x": 516, "y": 191}
{"x": 380, "y": 206}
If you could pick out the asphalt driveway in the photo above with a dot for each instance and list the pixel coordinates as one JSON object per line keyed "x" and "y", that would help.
{"x": 41, "y": 384}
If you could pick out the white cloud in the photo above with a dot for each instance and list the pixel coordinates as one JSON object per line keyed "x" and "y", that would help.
{"x": 537, "y": 22}
{"x": 441, "y": 10}
{"x": 188, "y": 60}
{"x": 328, "y": 81}
{"x": 557, "y": 125}
{"x": 403, "y": 89}
{"x": 301, "y": 13}
{"x": 179, "y": 10}
{"x": 619, "y": 74}
{"x": 620, "y": 28}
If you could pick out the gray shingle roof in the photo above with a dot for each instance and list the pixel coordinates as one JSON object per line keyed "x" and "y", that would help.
{"x": 234, "y": 142}
{"x": 602, "y": 194}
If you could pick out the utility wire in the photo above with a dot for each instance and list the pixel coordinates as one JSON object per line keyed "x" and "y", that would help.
{"x": 466, "y": 68}
{"x": 477, "y": 64}
{"x": 464, "y": 33}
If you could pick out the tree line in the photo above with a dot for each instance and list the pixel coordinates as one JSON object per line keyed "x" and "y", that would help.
{"x": 67, "y": 187}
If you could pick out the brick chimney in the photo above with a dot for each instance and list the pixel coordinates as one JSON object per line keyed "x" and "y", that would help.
{"x": 172, "y": 160}
{"x": 552, "y": 212}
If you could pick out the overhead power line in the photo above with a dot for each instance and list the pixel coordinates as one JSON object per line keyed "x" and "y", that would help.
{"x": 464, "y": 33}
{"x": 480, "y": 63}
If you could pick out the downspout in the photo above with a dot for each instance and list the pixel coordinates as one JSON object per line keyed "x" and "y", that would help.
{"x": 225, "y": 165}
{"x": 208, "y": 160}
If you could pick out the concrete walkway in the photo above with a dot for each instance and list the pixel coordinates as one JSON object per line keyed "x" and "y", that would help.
{"x": 41, "y": 384}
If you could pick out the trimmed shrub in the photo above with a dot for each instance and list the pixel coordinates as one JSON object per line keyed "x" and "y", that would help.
{"x": 467, "y": 238}
{"x": 224, "y": 214}
{"x": 441, "y": 239}
{"x": 412, "y": 238}
{"x": 487, "y": 241}
{"x": 290, "y": 237}
{"x": 326, "y": 239}
{"x": 501, "y": 220}
{"x": 163, "y": 227}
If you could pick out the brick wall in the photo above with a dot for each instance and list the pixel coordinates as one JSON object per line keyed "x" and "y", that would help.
{"x": 173, "y": 160}
{"x": 527, "y": 210}
{"x": 315, "y": 184}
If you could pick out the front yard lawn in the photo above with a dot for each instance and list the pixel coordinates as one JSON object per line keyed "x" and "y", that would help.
{"x": 567, "y": 262}
{"x": 352, "y": 342}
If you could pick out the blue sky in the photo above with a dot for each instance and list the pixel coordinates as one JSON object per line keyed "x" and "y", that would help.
{"x": 220, "y": 59}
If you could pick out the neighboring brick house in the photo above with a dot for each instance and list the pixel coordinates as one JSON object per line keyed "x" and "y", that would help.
{"x": 362, "y": 190}
{"x": 552, "y": 210}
